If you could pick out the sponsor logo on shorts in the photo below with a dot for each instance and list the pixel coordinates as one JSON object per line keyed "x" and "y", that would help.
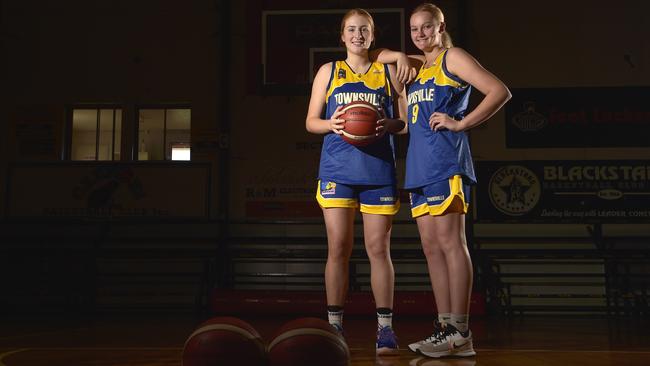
{"x": 386, "y": 199}
{"x": 330, "y": 188}
{"x": 514, "y": 190}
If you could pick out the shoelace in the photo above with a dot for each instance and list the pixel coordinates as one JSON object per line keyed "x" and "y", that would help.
{"x": 438, "y": 330}
{"x": 447, "y": 331}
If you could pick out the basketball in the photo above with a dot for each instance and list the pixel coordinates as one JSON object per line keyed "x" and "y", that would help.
{"x": 224, "y": 341}
{"x": 308, "y": 341}
{"x": 360, "y": 123}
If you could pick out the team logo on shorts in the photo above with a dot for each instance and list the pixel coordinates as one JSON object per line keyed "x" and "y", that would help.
{"x": 330, "y": 188}
{"x": 514, "y": 190}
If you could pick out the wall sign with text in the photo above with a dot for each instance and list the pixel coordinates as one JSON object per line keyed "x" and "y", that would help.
{"x": 563, "y": 191}
{"x": 578, "y": 117}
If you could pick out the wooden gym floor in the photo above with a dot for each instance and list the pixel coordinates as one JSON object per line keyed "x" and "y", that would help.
{"x": 158, "y": 340}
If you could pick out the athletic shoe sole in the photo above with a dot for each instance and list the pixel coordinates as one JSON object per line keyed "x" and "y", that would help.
{"x": 465, "y": 353}
{"x": 385, "y": 351}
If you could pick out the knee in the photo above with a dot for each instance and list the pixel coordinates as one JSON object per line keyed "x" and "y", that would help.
{"x": 451, "y": 242}
{"x": 378, "y": 251}
{"x": 432, "y": 248}
{"x": 338, "y": 253}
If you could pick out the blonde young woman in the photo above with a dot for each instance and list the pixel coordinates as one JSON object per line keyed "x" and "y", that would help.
{"x": 352, "y": 177}
{"x": 439, "y": 169}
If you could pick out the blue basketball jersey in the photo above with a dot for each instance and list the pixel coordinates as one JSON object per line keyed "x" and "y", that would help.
{"x": 435, "y": 156}
{"x": 342, "y": 162}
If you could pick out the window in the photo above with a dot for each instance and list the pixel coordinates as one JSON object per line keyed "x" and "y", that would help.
{"x": 180, "y": 152}
{"x": 96, "y": 134}
{"x": 164, "y": 134}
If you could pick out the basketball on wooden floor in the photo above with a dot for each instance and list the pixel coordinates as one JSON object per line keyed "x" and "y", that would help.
{"x": 308, "y": 341}
{"x": 360, "y": 123}
{"x": 224, "y": 341}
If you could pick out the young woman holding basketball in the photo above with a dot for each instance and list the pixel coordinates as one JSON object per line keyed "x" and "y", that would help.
{"x": 352, "y": 177}
{"x": 439, "y": 169}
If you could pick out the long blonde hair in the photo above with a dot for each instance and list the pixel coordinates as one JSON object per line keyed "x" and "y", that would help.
{"x": 438, "y": 16}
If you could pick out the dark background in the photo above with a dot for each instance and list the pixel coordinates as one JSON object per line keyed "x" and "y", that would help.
{"x": 253, "y": 165}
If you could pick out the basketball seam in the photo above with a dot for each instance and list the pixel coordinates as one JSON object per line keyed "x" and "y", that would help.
{"x": 230, "y": 328}
{"x": 367, "y": 106}
{"x": 363, "y": 105}
{"x": 307, "y": 331}
{"x": 357, "y": 137}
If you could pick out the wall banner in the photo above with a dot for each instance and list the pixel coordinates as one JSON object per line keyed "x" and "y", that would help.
{"x": 578, "y": 117}
{"x": 563, "y": 191}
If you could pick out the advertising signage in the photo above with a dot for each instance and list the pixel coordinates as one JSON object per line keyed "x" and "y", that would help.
{"x": 563, "y": 191}
{"x": 578, "y": 117}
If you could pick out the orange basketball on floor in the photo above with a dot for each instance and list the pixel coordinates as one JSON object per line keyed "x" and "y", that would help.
{"x": 308, "y": 341}
{"x": 224, "y": 341}
{"x": 360, "y": 123}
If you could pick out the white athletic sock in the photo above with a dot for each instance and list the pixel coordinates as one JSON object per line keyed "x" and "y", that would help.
{"x": 384, "y": 318}
{"x": 335, "y": 315}
{"x": 444, "y": 318}
{"x": 460, "y": 322}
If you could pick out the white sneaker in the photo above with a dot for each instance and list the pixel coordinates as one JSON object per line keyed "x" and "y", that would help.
{"x": 450, "y": 343}
{"x": 438, "y": 329}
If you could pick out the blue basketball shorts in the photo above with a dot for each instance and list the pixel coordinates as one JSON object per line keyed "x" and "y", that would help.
{"x": 380, "y": 200}
{"x": 440, "y": 198}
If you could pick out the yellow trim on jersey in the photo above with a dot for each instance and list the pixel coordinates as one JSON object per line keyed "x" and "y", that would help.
{"x": 456, "y": 197}
{"x": 335, "y": 202}
{"x": 437, "y": 73}
{"x": 381, "y": 209}
{"x": 374, "y": 79}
